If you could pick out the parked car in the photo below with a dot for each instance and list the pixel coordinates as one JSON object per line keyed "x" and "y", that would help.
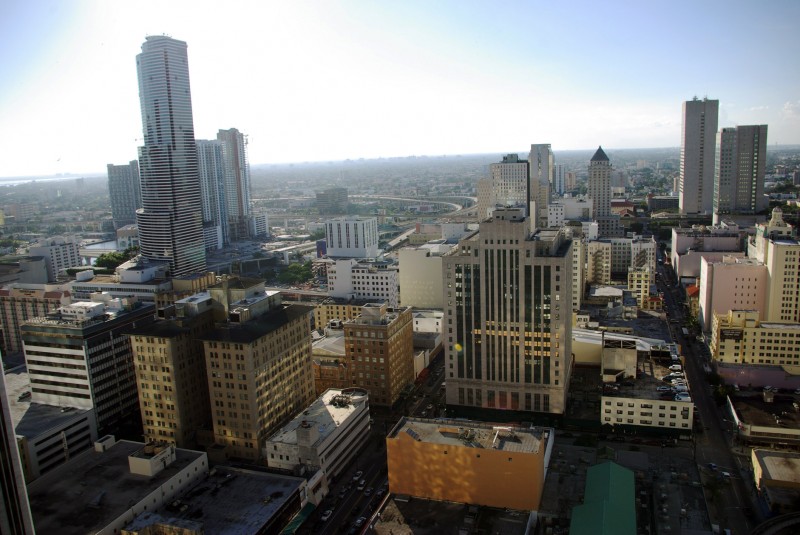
{"x": 676, "y": 367}
{"x": 664, "y": 389}
{"x": 359, "y": 521}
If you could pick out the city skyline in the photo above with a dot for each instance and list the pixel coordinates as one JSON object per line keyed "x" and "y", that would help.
{"x": 317, "y": 82}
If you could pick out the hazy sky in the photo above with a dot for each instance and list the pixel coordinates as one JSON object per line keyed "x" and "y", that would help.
{"x": 325, "y": 80}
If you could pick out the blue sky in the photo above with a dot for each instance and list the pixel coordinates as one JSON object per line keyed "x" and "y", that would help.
{"x": 324, "y": 80}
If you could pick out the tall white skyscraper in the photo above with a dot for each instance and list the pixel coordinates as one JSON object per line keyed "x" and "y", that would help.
{"x": 740, "y": 170}
{"x": 698, "y": 148}
{"x": 211, "y": 167}
{"x": 237, "y": 181}
{"x": 170, "y": 220}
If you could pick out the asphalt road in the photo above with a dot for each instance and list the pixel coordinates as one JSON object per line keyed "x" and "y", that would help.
{"x": 713, "y": 445}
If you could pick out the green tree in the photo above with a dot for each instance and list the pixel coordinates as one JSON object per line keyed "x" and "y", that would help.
{"x": 295, "y": 273}
{"x": 110, "y": 260}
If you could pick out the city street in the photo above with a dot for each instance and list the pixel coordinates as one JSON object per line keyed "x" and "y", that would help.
{"x": 729, "y": 500}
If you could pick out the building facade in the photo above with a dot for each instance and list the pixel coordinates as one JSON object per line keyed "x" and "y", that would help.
{"x": 599, "y": 191}
{"x": 355, "y": 237}
{"x": 18, "y": 305}
{"x": 125, "y": 191}
{"x": 332, "y": 201}
{"x": 326, "y": 436}
{"x": 379, "y": 347}
{"x": 362, "y": 280}
{"x": 698, "y": 149}
{"x": 211, "y": 168}
{"x": 740, "y": 168}
{"x": 237, "y": 182}
{"x": 259, "y": 376}
{"x": 15, "y": 512}
{"x": 505, "y": 466}
{"x": 79, "y": 356}
{"x": 59, "y": 253}
{"x": 171, "y": 374}
{"x": 420, "y": 278}
{"x": 740, "y": 337}
{"x": 508, "y": 305}
{"x": 170, "y": 220}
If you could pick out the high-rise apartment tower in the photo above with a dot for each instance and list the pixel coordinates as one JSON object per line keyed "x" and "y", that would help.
{"x": 170, "y": 220}
{"x": 125, "y": 191}
{"x": 740, "y": 169}
{"x": 237, "y": 181}
{"x": 698, "y": 146}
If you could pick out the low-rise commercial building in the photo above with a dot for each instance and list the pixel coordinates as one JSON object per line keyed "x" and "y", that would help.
{"x": 776, "y": 475}
{"x": 324, "y": 437}
{"x": 768, "y": 420}
{"x": 738, "y": 337}
{"x": 469, "y": 462}
{"x": 102, "y": 489}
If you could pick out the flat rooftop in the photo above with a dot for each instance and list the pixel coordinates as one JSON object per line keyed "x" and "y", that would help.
{"x": 33, "y": 419}
{"x": 331, "y": 345}
{"x": 591, "y": 336}
{"x": 327, "y": 412}
{"x": 250, "y": 331}
{"x": 93, "y": 489}
{"x": 473, "y": 434}
{"x": 779, "y": 465}
{"x": 755, "y": 411}
{"x": 230, "y": 501}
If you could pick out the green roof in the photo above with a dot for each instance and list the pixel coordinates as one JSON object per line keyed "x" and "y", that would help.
{"x": 608, "y": 502}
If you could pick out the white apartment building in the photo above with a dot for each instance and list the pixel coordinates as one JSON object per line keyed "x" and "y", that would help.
{"x": 363, "y": 280}
{"x": 569, "y": 209}
{"x": 510, "y": 181}
{"x": 646, "y": 412}
{"x": 324, "y": 437}
{"x": 352, "y": 237}
{"x": 60, "y": 253}
{"x": 698, "y": 149}
{"x": 420, "y": 272}
{"x": 731, "y": 283}
{"x": 608, "y": 259}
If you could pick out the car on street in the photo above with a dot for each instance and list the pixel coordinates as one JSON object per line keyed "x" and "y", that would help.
{"x": 361, "y": 484}
{"x": 358, "y": 475}
{"x": 326, "y": 515}
{"x": 368, "y": 491}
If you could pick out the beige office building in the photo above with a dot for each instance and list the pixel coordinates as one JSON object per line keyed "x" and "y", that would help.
{"x": 259, "y": 376}
{"x": 508, "y": 307}
{"x": 739, "y": 337}
{"x": 379, "y": 346}
{"x": 171, "y": 374}
{"x": 18, "y": 305}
